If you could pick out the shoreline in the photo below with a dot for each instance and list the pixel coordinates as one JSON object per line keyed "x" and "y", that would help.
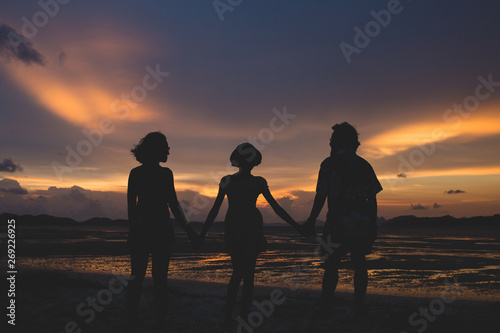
{"x": 209, "y": 287}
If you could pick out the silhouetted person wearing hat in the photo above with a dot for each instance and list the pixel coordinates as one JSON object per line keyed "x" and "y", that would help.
{"x": 243, "y": 225}
{"x": 350, "y": 185}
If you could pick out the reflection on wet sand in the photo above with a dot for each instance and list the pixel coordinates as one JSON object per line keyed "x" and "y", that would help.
{"x": 401, "y": 263}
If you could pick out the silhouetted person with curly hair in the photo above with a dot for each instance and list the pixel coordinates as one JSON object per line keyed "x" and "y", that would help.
{"x": 351, "y": 186}
{"x": 243, "y": 226}
{"x": 150, "y": 194}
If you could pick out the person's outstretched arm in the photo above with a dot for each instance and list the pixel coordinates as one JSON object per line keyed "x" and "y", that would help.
{"x": 319, "y": 201}
{"x": 213, "y": 213}
{"x": 280, "y": 211}
{"x": 177, "y": 211}
{"x": 309, "y": 226}
{"x": 322, "y": 189}
{"x": 132, "y": 198}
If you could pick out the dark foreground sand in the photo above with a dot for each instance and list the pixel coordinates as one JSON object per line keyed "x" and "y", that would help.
{"x": 48, "y": 301}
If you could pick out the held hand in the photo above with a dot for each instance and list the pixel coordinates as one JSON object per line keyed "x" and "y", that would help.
{"x": 199, "y": 241}
{"x": 193, "y": 236}
{"x": 308, "y": 229}
{"x": 296, "y": 226}
{"x": 301, "y": 230}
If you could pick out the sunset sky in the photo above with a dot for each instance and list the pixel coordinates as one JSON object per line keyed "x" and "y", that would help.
{"x": 421, "y": 83}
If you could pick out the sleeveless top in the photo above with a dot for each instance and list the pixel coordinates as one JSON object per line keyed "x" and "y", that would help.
{"x": 152, "y": 228}
{"x": 243, "y": 225}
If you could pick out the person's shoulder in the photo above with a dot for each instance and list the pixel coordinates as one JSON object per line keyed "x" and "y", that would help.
{"x": 261, "y": 181}
{"x": 368, "y": 172}
{"x": 163, "y": 172}
{"x": 135, "y": 170}
{"x": 166, "y": 171}
{"x": 327, "y": 161}
{"x": 224, "y": 181}
{"x": 361, "y": 159}
{"x": 363, "y": 162}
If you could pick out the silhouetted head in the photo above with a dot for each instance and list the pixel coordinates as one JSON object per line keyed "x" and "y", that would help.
{"x": 344, "y": 136}
{"x": 245, "y": 156}
{"x": 153, "y": 148}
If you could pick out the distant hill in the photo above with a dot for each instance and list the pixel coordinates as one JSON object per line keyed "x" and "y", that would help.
{"x": 407, "y": 221}
{"x": 53, "y": 220}
{"x": 36, "y": 220}
{"x": 411, "y": 221}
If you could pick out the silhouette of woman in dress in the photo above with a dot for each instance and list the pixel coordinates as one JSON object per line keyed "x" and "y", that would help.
{"x": 150, "y": 194}
{"x": 243, "y": 225}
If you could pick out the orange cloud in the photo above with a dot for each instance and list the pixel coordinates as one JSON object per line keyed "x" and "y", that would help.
{"x": 483, "y": 123}
{"x": 86, "y": 88}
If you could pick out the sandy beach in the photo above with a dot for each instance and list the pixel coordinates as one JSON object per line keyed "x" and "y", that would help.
{"x": 51, "y": 301}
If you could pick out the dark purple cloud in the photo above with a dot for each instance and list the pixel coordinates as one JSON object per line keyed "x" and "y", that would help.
{"x": 454, "y": 192}
{"x": 11, "y": 186}
{"x": 418, "y": 207}
{"x": 14, "y": 45}
{"x": 9, "y": 166}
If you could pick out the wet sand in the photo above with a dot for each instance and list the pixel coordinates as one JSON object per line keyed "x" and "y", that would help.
{"x": 409, "y": 262}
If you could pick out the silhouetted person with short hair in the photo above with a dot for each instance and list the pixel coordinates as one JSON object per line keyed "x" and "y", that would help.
{"x": 350, "y": 184}
{"x": 150, "y": 194}
{"x": 243, "y": 226}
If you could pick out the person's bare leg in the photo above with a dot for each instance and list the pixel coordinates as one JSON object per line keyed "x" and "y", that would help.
{"x": 232, "y": 289}
{"x": 160, "y": 263}
{"x": 248, "y": 286}
{"x": 330, "y": 281}
{"x": 139, "y": 262}
{"x": 360, "y": 282}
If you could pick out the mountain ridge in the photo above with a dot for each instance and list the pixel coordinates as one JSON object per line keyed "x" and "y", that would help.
{"x": 404, "y": 221}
